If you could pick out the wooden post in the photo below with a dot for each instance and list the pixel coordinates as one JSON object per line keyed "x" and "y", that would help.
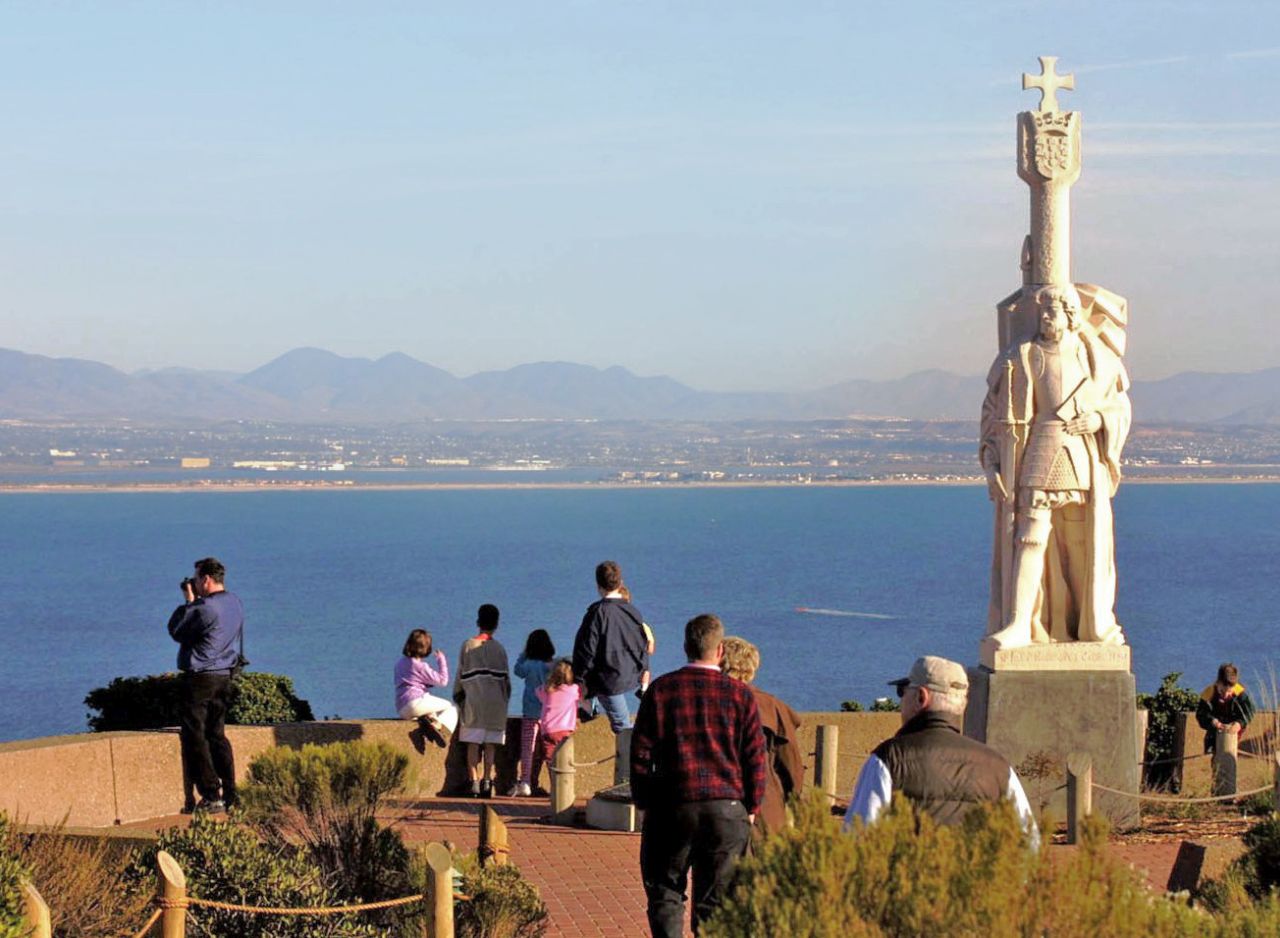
{"x": 824, "y": 760}
{"x": 622, "y": 765}
{"x": 173, "y": 892}
{"x": 562, "y": 783}
{"x": 1079, "y": 793}
{"x": 1144, "y": 722}
{"x": 1225, "y": 756}
{"x": 37, "y": 912}
{"x": 1182, "y": 723}
{"x": 439, "y": 891}
{"x": 495, "y": 845}
{"x": 1275, "y": 760}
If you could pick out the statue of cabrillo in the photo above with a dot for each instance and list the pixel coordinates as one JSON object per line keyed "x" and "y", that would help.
{"x": 1056, "y": 414}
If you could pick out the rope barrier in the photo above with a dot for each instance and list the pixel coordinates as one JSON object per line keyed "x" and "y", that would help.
{"x": 587, "y": 765}
{"x": 1203, "y": 755}
{"x": 186, "y": 902}
{"x": 301, "y": 910}
{"x": 1166, "y": 799}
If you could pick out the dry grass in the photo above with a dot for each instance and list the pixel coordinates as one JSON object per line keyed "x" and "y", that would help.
{"x": 82, "y": 880}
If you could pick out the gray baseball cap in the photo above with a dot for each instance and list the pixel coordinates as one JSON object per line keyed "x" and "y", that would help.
{"x": 937, "y": 674}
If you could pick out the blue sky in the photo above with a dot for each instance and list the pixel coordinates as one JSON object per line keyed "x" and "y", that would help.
{"x": 741, "y": 195}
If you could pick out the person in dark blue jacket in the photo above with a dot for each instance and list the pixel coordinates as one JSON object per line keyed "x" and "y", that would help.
{"x": 611, "y": 650}
{"x": 207, "y": 628}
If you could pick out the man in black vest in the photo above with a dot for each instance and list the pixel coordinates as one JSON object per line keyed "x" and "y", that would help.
{"x": 941, "y": 771}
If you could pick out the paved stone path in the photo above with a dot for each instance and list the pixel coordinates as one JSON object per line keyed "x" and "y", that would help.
{"x": 590, "y": 880}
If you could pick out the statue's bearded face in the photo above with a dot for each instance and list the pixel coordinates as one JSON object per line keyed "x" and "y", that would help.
{"x": 1057, "y": 315}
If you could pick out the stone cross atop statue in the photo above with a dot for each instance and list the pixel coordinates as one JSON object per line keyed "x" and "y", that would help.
{"x": 1049, "y": 82}
{"x": 1055, "y": 419}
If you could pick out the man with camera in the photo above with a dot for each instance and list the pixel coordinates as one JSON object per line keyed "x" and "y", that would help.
{"x": 207, "y": 628}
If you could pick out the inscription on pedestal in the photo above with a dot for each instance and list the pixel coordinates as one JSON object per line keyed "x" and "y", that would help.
{"x": 1056, "y": 656}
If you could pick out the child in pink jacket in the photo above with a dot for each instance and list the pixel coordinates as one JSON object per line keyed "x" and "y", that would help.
{"x": 559, "y": 696}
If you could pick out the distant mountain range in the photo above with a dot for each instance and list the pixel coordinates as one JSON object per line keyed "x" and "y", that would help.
{"x": 311, "y": 385}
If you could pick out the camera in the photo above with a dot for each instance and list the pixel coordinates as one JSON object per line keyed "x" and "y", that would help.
{"x": 188, "y": 582}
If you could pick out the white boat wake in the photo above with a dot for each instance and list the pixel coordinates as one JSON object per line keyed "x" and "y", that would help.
{"x": 846, "y": 613}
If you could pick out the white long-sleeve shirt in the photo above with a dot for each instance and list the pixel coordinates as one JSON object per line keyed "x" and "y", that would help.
{"x": 873, "y": 791}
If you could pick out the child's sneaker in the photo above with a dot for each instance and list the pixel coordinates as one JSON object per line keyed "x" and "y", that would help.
{"x": 523, "y": 790}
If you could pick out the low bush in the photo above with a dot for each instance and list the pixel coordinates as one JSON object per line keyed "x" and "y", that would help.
{"x": 229, "y": 863}
{"x": 905, "y": 876}
{"x": 1257, "y": 872}
{"x": 501, "y": 904}
{"x": 12, "y": 873}
{"x": 146, "y": 703}
{"x": 83, "y": 880}
{"x": 879, "y": 705}
{"x": 1162, "y": 709}
{"x": 326, "y": 798}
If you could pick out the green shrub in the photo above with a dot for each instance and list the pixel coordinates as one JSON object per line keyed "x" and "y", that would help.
{"x": 229, "y": 863}
{"x": 146, "y": 703}
{"x": 12, "y": 873}
{"x": 83, "y": 879}
{"x": 886, "y": 705}
{"x": 502, "y": 904}
{"x": 326, "y": 798}
{"x": 1162, "y": 709}
{"x": 1257, "y": 872}
{"x": 905, "y": 876}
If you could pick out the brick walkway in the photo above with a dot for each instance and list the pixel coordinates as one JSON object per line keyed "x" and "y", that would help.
{"x": 590, "y": 880}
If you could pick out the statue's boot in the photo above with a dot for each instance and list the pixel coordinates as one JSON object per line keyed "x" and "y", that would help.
{"x": 1031, "y": 541}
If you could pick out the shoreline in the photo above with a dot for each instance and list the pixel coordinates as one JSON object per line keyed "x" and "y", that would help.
{"x": 66, "y": 488}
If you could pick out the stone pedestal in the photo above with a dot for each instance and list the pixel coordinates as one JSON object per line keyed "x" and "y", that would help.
{"x": 1037, "y": 718}
{"x": 612, "y": 810}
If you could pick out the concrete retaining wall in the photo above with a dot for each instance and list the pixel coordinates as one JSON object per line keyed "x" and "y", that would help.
{"x": 103, "y": 779}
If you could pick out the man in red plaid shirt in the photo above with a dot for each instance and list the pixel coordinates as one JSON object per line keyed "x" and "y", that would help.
{"x": 698, "y": 773}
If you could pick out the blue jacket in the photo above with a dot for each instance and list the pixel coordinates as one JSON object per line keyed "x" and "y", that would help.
{"x": 534, "y": 673}
{"x": 208, "y": 632}
{"x": 611, "y": 649}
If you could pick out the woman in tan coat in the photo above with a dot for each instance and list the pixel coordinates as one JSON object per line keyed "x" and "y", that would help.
{"x": 781, "y": 725}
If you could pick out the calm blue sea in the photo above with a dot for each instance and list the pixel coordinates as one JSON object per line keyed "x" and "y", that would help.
{"x": 333, "y": 581}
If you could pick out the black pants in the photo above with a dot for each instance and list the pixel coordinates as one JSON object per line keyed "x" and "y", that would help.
{"x": 707, "y": 836}
{"x": 206, "y": 753}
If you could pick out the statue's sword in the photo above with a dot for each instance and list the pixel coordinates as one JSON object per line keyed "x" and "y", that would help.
{"x": 1010, "y": 451}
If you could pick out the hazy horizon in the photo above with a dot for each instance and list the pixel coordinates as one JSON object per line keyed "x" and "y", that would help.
{"x": 767, "y": 198}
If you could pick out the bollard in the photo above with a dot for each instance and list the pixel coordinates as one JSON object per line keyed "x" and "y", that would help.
{"x": 1225, "y": 756}
{"x": 622, "y": 765}
{"x": 439, "y": 891}
{"x": 173, "y": 897}
{"x": 824, "y": 760}
{"x": 37, "y": 912}
{"x": 562, "y": 783}
{"x": 1079, "y": 793}
{"x": 494, "y": 843}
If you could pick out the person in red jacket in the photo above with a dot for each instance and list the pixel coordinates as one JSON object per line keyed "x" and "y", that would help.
{"x": 698, "y": 773}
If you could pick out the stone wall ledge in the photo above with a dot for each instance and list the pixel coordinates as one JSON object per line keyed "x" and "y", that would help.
{"x": 97, "y": 780}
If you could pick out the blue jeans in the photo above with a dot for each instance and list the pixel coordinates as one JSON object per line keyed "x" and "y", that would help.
{"x": 615, "y": 708}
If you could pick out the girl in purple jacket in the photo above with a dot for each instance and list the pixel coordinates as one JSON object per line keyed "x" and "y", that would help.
{"x": 414, "y": 680}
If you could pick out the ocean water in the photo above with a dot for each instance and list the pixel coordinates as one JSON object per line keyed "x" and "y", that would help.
{"x": 333, "y": 581}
